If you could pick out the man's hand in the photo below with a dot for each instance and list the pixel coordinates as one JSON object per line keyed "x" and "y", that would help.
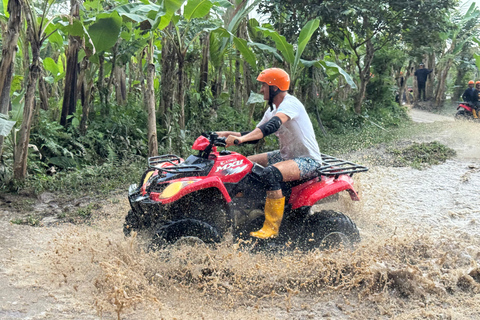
{"x": 224, "y": 134}
{"x": 231, "y": 140}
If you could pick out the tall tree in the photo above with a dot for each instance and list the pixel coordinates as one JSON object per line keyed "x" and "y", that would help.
{"x": 36, "y": 37}
{"x": 369, "y": 25}
{"x": 9, "y": 49}
{"x": 70, "y": 89}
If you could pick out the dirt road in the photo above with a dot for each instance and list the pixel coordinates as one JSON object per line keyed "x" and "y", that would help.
{"x": 428, "y": 117}
{"x": 417, "y": 260}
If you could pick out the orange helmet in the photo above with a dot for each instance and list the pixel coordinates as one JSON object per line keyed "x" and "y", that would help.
{"x": 275, "y": 77}
{"x": 477, "y": 82}
{"x": 471, "y": 82}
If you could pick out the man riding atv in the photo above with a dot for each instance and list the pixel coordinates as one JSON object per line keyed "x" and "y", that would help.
{"x": 470, "y": 96}
{"x": 298, "y": 157}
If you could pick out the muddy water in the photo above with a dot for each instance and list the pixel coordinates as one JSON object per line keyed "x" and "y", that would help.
{"x": 417, "y": 259}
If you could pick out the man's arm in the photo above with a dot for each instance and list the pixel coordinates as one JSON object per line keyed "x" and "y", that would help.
{"x": 224, "y": 134}
{"x": 260, "y": 132}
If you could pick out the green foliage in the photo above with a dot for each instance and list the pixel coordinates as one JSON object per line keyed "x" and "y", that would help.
{"x": 93, "y": 179}
{"x": 31, "y": 220}
{"x": 420, "y": 155}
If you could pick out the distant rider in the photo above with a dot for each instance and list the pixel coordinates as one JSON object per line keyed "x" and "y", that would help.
{"x": 470, "y": 96}
{"x": 299, "y": 156}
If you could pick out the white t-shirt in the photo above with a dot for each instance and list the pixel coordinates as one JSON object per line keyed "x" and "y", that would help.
{"x": 296, "y": 136}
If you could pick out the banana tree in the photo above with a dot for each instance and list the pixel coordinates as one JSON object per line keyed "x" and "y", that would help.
{"x": 464, "y": 29}
{"x": 13, "y": 13}
{"x": 36, "y": 37}
{"x": 292, "y": 58}
{"x": 151, "y": 18}
{"x": 223, "y": 38}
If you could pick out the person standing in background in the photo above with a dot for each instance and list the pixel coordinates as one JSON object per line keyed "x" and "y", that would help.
{"x": 422, "y": 75}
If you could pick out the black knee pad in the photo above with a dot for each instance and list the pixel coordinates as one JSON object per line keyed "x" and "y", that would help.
{"x": 272, "y": 177}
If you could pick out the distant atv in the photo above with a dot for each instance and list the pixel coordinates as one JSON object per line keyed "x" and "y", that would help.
{"x": 464, "y": 111}
{"x": 213, "y": 193}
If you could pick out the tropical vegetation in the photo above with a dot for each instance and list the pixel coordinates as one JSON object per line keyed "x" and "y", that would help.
{"x": 107, "y": 83}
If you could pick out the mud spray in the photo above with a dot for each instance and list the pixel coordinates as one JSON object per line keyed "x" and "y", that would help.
{"x": 417, "y": 259}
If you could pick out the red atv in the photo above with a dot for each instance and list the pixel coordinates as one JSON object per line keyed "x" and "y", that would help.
{"x": 464, "y": 111}
{"x": 215, "y": 193}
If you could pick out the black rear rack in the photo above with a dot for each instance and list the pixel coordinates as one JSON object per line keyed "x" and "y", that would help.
{"x": 336, "y": 167}
{"x": 177, "y": 167}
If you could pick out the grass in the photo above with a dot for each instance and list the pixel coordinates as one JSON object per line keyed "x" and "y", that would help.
{"x": 31, "y": 220}
{"x": 369, "y": 136}
{"x": 420, "y": 155}
{"x": 90, "y": 180}
{"x": 80, "y": 215}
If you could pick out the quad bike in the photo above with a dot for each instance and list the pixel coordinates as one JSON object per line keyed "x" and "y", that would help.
{"x": 215, "y": 193}
{"x": 465, "y": 111}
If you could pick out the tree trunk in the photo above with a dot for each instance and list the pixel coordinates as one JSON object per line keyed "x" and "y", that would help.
{"x": 9, "y": 49}
{"x": 217, "y": 88}
{"x": 69, "y": 105}
{"x": 85, "y": 88}
{"x": 237, "y": 103}
{"x": 459, "y": 84}
{"x": 108, "y": 89}
{"x": 429, "y": 85}
{"x": 150, "y": 95}
{"x": 43, "y": 93}
{"x": 167, "y": 83}
{"x": 364, "y": 74}
{"x": 442, "y": 84}
{"x": 205, "y": 43}
{"x": 181, "y": 90}
{"x": 21, "y": 149}
{"x": 408, "y": 74}
{"x": 120, "y": 85}
{"x": 100, "y": 82}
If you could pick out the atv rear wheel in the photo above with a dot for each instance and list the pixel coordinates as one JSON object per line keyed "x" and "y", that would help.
{"x": 328, "y": 229}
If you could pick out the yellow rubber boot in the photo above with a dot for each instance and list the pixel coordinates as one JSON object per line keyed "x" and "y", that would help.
{"x": 474, "y": 114}
{"x": 273, "y": 219}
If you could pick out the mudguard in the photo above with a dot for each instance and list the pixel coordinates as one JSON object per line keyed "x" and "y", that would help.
{"x": 465, "y": 106}
{"x": 309, "y": 193}
{"x": 202, "y": 183}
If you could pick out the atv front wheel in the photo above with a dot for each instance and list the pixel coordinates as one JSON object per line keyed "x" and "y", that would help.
{"x": 461, "y": 115}
{"x": 187, "y": 228}
{"x": 328, "y": 229}
{"x": 133, "y": 222}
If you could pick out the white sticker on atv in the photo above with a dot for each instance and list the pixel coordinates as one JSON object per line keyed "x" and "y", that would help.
{"x": 230, "y": 165}
{"x": 235, "y": 170}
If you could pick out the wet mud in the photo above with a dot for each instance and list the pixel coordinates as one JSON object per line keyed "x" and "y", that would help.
{"x": 418, "y": 259}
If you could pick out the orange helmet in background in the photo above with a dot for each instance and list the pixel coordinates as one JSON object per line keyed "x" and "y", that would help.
{"x": 275, "y": 77}
{"x": 477, "y": 82}
{"x": 471, "y": 82}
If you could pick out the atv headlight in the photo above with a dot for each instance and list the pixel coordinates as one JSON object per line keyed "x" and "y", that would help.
{"x": 174, "y": 187}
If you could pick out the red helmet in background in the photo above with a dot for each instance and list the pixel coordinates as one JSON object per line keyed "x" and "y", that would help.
{"x": 275, "y": 77}
{"x": 471, "y": 82}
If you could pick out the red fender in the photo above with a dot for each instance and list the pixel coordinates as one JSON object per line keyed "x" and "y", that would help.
{"x": 202, "y": 184}
{"x": 466, "y": 107}
{"x": 309, "y": 193}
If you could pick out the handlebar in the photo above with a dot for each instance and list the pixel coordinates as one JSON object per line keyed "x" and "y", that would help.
{"x": 236, "y": 142}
